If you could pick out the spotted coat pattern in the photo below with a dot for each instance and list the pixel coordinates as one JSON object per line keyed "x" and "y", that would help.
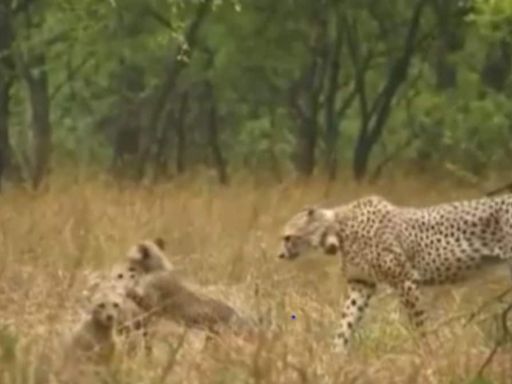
{"x": 403, "y": 247}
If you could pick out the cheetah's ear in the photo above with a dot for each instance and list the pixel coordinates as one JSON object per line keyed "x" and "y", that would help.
{"x": 144, "y": 251}
{"x": 311, "y": 211}
{"x": 160, "y": 243}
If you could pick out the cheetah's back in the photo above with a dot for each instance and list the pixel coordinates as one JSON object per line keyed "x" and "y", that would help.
{"x": 449, "y": 241}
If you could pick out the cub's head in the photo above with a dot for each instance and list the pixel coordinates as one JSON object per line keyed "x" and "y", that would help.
{"x": 106, "y": 311}
{"x": 148, "y": 256}
{"x": 310, "y": 228}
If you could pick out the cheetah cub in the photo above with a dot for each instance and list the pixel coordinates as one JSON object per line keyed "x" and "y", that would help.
{"x": 162, "y": 294}
{"x": 148, "y": 256}
{"x": 93, "y": 339}
{"x": 133, "y": 326}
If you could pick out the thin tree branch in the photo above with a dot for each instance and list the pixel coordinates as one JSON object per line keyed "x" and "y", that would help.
{"x": 487, "y": 303}
{"x": 391, "y": 156}
{"x": 504, "y": 188}
{"x": 505, "y": 337}
{"x": 72, "y": 73}
{"x": 155, "y": 15}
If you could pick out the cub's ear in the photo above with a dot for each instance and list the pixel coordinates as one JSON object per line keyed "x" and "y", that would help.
{"x": 160, "y": 243}
{"x": 144, "y": 251}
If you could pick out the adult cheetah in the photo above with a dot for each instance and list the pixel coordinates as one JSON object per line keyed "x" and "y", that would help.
{"x": 403, "y": 247}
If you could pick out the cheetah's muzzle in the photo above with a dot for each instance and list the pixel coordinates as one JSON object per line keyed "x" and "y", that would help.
{"x": 331, "y": 249}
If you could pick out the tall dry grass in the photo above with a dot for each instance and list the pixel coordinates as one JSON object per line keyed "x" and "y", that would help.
{"x": 226, "y": 238}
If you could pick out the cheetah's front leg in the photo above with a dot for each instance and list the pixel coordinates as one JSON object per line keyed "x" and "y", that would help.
{"x": 359, "y": 295}
{"x": 410, "y": 298}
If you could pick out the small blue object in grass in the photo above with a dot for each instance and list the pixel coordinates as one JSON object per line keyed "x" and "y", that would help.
{"x": 294, "y": 317}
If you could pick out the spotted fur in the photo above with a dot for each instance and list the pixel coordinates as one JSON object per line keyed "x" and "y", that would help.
{"x": 403, "y": 247}
{"x": 163, "y": 294}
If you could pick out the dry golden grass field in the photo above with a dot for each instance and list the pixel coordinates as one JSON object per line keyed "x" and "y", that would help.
{"x": 225, "y": 239}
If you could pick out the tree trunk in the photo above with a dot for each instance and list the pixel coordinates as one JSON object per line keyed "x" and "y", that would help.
{"x": 446, "y": 73}
{"x": 305, "y": 99}
{"x": 174, "y": 123}
{"x": 497, "y": 66}
{"x": 213, "y": 136}
{"x": 41, "y": 128}
{"x": 6, "y": 73}
{"x": 306, "y": 144}
{"x": 123, "y": 130}
{"x": 163, "y": 142}
{"x": 274, "y": 158}
{"x": 181, "y": 140}
{"x": 173, "y": 71}
{"x": 331, "y": 120}
{"x": 450, "y": 40}
{"x": 373, "y": 124}
{"x": 5, "y": 86}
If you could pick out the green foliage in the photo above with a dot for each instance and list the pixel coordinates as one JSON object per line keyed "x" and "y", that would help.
{"x": 475, "y": 133}
{"x": 8, "y": 346}
{"x": 492, "y": 17}
{"x": 105, "y": 57}
{"x": 261, "y": 141}
{"x": 480, "y": 380}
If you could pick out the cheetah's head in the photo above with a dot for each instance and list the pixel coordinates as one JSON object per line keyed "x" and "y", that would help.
{"x": 309, "y": 229}
{"x": 106, "y": 311}
{"x": 148, "y": 256}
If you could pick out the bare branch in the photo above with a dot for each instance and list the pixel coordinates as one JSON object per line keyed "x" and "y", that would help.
{"x": 505, "y": 337}
{"x": 391, "y": 156}
{"x": 155, "y": 15}
{"x": 503, "y": 188}
{"x": 487, "y": 303}
{"x": 347, "y": 103}
{"x": 73, "y": 71}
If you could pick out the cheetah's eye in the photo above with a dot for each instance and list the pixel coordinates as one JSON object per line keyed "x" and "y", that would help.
{"x": 287, "y": 238}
